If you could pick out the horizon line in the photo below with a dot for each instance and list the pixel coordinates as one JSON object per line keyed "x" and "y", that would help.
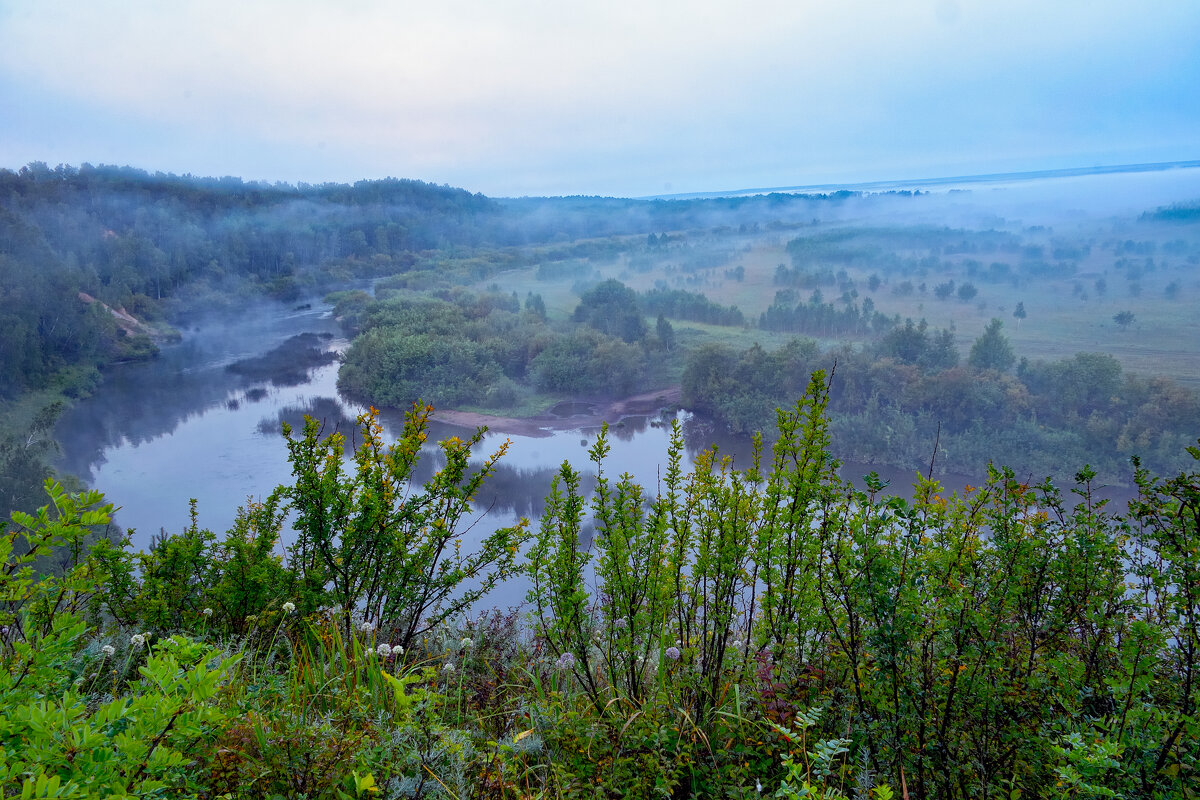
{"x": 900, "y": 184}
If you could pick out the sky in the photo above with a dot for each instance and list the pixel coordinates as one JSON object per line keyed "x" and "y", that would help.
{"x": 599, "y": 97}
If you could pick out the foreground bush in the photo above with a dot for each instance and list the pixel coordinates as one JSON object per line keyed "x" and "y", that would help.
{"x": 751, "y": 629}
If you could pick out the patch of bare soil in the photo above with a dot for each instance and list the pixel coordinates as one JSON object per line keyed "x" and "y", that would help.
{"x": 601, "y": 411}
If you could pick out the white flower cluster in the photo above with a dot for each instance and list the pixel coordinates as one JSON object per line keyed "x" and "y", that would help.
{"x": 289, "y": 607}
{"x": 108, "y": 649}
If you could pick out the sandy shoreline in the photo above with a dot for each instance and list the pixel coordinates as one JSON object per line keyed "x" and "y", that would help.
{"x": 609, "y": 411}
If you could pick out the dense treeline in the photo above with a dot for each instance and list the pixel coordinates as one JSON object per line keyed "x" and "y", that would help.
{"x": 456, "y": 347}
{"x": 890, "y": 402}
{"x": 136, "y": 241}
{"x": 820, "y": 318}
{"x": 693, "y": 306}
{"x": 734, "y": 634}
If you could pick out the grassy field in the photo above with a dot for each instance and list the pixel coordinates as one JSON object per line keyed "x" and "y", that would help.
{"x": 1102, "y": 267}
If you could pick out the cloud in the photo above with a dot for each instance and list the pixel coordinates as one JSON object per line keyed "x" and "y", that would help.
{"x": 688, "y": 92}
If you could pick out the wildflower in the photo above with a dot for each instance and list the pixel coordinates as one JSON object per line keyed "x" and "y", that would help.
{"x": 449, "y": 668}
{"x": 108, "y": 649}
{"x": 565, "y": 662}
{"x": 672, "y": 653}
{"x": 383, "y": 650}
{"x": 207, "y": 612}
{"x": 737, "y": 644}
{"x": 137, "y": 640}
{"x": 758, "y": 785}
{"x": 367, "y": 626}
{"x": 397, "y": 650}
{"x": 620, "y": 623}
{"x": 466, "y": 642}
{"x": 289, "y": 607}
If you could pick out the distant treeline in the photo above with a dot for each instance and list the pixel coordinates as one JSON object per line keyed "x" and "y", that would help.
{"x": 692, "y": 306}
{"x": 891, "y": 401}
{"x": 1176, "y": 212}
{"x": 137, "y": 241}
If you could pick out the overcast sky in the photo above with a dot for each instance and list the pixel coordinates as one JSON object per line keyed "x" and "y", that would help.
{"x": 599, "y": 96}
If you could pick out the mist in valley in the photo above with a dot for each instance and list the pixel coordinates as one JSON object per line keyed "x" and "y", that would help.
{"x": 509, "y": 308}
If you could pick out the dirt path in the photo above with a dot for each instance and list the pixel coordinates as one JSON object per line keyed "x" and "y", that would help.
{"x": 604, "y": 411}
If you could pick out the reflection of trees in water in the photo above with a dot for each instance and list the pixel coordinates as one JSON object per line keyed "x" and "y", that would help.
{"x": 289, "y": 364}
{"x": 702, "y": 433}
{"x": 522, "y": 491}
{"x": 628, "y": 428}
{"x": 138, "y": 403}
{"x": 326, "y": 410}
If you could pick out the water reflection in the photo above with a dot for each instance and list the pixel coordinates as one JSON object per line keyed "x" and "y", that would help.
{"x": 140, "y": 403}
{"x": 289, "y": 364}
{"x": 330, "y": 412}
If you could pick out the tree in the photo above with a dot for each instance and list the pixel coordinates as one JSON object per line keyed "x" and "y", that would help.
{"x": 967, "y": 292}
{"x": 1123, "y": 318}
{"x": 992, "y": 350}
{"x": 611, "y": 307}
{"x": 943, "y": 290}
{"x": 666, "y": 333}
{"x": 1019, "y": 313}
{"x": 535, "y": 305}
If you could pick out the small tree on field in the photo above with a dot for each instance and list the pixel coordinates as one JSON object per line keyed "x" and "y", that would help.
{"x": 1123, "y": 318}
{"x": 992, "y": 350}
{"x": 1019, "y": 313}
{"x": 666, "y": 333}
